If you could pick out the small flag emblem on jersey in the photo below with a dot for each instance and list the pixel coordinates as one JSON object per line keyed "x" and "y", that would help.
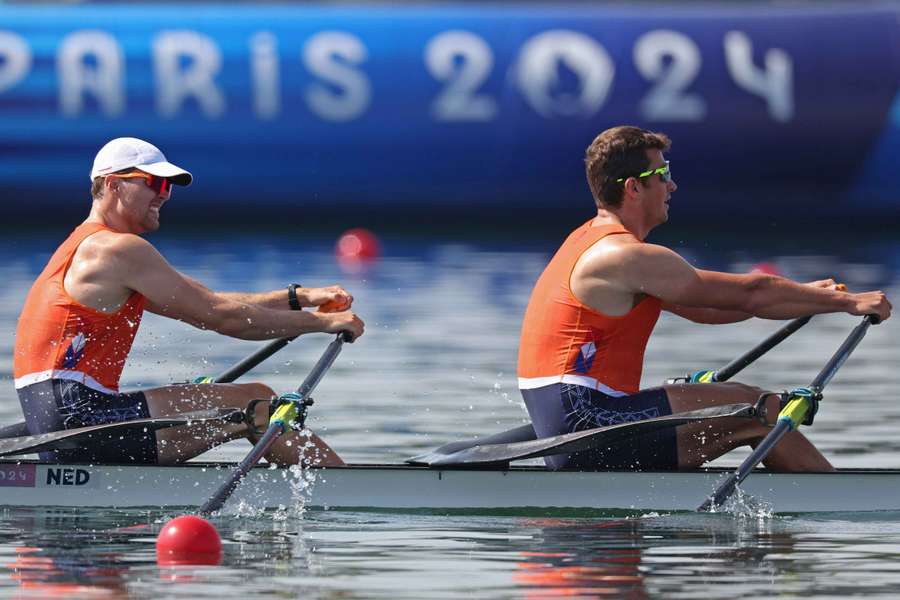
{"x": 74, "y": 352}
{"x": 585, "y": 358}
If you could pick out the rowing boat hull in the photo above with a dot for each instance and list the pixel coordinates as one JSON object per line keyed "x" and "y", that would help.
{"x": 404, "y": 488}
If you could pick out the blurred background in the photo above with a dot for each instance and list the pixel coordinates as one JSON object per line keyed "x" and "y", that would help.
{"x": 464, "y": 111}
{"x": 453, "y": 135}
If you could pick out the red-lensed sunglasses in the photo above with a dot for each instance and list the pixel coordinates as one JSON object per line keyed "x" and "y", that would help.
{"x": 160, "y": 185}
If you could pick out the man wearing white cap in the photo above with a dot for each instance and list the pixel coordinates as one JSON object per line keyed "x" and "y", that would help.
{"x": 82, "y": 313}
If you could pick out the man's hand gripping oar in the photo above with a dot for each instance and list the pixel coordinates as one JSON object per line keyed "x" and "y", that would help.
{"x": 290, "y": 414}
{"x": 800, "y": 408}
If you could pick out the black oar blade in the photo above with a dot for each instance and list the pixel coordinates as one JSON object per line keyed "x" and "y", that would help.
{"x": 109, "y": 432}
{"x": 525, "y": 433}
{"x": 494, "y": 454}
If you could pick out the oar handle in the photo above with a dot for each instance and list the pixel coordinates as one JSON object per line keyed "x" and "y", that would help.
{"x": 738, "y": 364}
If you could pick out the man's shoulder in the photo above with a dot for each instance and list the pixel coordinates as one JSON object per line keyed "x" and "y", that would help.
{"x": 113, "y": 251}
{"x": 115, "y": 242}
{"x": 618, "y": 249}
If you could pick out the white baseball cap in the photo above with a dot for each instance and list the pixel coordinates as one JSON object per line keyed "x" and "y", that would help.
{"x": 126, "y": 152}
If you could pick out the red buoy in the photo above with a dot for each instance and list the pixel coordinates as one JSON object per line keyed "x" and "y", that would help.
{"x": 357, "y": 245}
{"x": 188, "y": 540}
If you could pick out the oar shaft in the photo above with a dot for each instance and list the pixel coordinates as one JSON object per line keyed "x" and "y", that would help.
{"x": 240, "y": 368}
{"x": 738, "y": 364}
{"x": 277, "y": 426}
{"x": 842, "y": 354}
{"x": 786, "y": 422}
{"x": 323, "y": 364}
{"x": 240, "y": 471}
{"x": 726, "y": 488}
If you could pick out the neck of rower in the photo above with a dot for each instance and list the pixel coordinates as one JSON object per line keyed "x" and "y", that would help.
{"x": 634, "y": 223}
{"x": 104, "y": 211}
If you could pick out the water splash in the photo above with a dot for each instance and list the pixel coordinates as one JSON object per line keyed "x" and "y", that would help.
{"x": 743, "y": 505}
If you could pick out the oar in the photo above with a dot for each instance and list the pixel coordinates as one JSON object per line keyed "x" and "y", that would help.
{"x": 738, "y": 364}
{"x": 252, "y": 361}
{"x": 799, "y": 405}
{"x": 292, "y": 411}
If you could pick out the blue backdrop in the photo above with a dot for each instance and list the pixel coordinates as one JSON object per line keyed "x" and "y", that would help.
{"x": 456, "y": 109}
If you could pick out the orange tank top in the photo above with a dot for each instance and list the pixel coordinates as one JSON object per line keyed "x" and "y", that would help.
{"x": 565, "y": 341}
{"x": 59, "y": 338}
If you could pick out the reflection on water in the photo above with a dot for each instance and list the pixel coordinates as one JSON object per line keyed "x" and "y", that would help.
{"x": 393, "y": 556}
{"x": 438, "y": 363}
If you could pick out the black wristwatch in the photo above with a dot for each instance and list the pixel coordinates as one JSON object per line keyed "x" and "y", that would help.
{"x": 292, "y": 296}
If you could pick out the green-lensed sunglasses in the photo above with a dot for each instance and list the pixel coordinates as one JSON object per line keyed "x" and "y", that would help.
{"x": 664, "y": 173}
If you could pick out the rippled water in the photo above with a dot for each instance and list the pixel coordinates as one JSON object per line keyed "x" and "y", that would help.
{"x": 437, "y": 364}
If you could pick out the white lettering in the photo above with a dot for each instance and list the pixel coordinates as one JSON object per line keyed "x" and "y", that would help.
{"x": 774, "y": 83}
{"x": 177, "y": 81}
{"x": 542, "y": 59}
{"x": 91, "y": 62}
{"x": 327, "y": 55}
{"x": 672, "y": 60}
{"x": 15, "y": 59}
{"x": 462, "y": 60}
{"x": 265, "y": 74}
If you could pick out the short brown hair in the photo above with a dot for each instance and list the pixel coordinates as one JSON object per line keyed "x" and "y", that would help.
{"x": 97, "y": 187}
{"x": 619, "y": 152}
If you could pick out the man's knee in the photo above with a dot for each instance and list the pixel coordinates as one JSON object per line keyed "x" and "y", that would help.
{"x": 691, "y": 396}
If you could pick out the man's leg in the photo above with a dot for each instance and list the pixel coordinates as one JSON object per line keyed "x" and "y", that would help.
{"x": 178, "y": 444}
{"x": 701, "y": 442}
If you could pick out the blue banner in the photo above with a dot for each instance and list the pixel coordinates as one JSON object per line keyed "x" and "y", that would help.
{"x": 454, "y": 108}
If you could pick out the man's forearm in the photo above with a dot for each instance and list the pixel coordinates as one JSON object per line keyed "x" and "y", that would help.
{"x": 779, "y": 298}
{"x": 276, "y": 299}
{"x": 707, "y": 316}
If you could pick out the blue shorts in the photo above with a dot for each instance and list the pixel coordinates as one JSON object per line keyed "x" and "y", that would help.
{"x": 57, "y": 404}
{"x": 564, "y": 408}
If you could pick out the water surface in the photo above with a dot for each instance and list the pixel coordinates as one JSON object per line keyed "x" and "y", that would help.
{"x": 438, "y": 363}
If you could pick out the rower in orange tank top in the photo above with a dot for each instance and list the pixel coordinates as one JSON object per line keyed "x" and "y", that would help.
{"x": 565, "y": 341}
{"x": 579, "y": 368}
{"x": 59, "y": 338}
{"x": 593, "y": 309}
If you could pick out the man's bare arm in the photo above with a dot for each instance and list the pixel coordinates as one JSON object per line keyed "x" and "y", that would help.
{"x": 660, "y": 272}
{"x": 171, "y": 294}
{"x": 334, "y": 297}
{"x": 708, "y": 316}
